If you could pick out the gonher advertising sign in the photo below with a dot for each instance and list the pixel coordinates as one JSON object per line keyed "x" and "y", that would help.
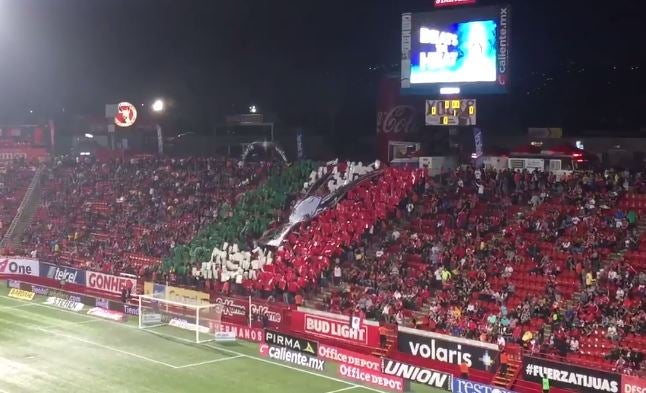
{"x": 432, "y": 378}
{"x": 462, "y": 50}
{"x": 569, "y": 376}
{"x": 448, "y": 349}
{"x": 464, "y": 386}
{"x": 109, "y": 283}
{"x": 19, "y": 266}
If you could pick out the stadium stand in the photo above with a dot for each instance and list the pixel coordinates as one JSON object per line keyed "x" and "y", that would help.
{"x": 15, "y": 177}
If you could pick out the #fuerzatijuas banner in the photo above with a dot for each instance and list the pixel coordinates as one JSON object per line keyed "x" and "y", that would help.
{"x": 176, "y": 294}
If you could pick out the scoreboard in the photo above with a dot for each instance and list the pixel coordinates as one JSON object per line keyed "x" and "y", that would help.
{"x": 451, "y": 112}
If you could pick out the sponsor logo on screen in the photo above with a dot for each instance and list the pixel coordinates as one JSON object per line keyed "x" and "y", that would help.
{"x": 131, "y": 310}
{"x": 297, "y": 358}
{"x": 350, "y": 358}
{"x": 13, "y": 284}
{"x": 151, "y": 318}
{"x": 503, "y": 45}
{"x": 335, "y": 329}
{"x": 19, "y": 266}
{"x": 291, "y": 342}
{"x": 464, "y": 386}
{"x": 224, "y": 336}
{"x": 63, "y": 273}
{"x": 449, "y": 3}
{"x": 103, "y": 303}
{"x": 109, "y": 283}
{"x": 371, "y": 377}
{"x": 69, "y": 305}
{"x": 242, "y": 332}
{"x": 569, "y": 376}
{"x": 234, "y": 307}
{"x": 417, "y": 374}
{"x": 107, "y": 314}
{"x": 448, "y": 350}
{"x": 632, "y": 384}
{"x": 186, "y": 325}
{"x": 20, "y": 294}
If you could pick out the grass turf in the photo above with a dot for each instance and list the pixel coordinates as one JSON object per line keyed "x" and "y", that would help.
{"x": 45, "y": 349}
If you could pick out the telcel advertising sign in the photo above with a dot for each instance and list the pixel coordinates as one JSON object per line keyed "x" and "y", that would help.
{"x": 459, "y": 50}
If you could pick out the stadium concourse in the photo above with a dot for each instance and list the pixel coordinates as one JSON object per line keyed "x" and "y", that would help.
{"x": 555, "y": 266}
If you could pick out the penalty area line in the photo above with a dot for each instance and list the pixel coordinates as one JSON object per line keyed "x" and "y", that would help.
{"x": 209, "y": 361}
{"x": 343, "y": 390}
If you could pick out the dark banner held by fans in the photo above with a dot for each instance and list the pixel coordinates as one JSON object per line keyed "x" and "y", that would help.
{"x": 569, "y": 376}
{"x": 448, "y": 349}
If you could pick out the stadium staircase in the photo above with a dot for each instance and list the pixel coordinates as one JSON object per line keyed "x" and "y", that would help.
{"x": 30, "y": 202}
{"x": 506, "y": 380}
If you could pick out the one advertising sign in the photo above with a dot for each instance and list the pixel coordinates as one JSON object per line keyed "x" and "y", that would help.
{"x": 64, "y": 304}
{"x": 570, "y": 376}
{"x": 632, "y": 384}
{"x": 447, "y": 349}
{"x": 19, "y": 266}
{"x": 109, "y": 283}
{"x": 371, "y": 377}
{"x": 175, "y": 294}
{"x": 283, "y": 354}
{"x": 107, "y": 314}
{"x": 62, "y": 273}
{"x": 465, "y": 386}
{"x": 290, "y": 342}
{"x": 242, "y": 332}
{"x": 335, "y": 329}
{"x": 432, "y": 378}
{"x": 20, "y": 294}
{"x": 350, "y": 358}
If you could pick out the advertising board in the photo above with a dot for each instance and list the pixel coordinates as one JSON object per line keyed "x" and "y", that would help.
{"x": 20, "y": 294}
{"x": 109, "y": 283}
{"x": 176, "y": 294}
{"x": 290, "y": 342}
{"x": 462, "y": 50}
{"x": 465, "y": 386}
{"x": 242, "y": 332}
{"x": 424, "y": 376}
{"x": 570, "y": 376}
{"x": 19, "y": 266}
{"x": 297, "y": 358}
{"x": 238, "y": 309}
{"x": 350, "y": 358}
{"x": 632, "y": 384}
{"x": 62, "y": 273}
{"x": 447, "y": 349}
{"x": 371, "y": 377}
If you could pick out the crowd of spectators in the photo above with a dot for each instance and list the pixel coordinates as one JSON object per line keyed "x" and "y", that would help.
{"x": 15, "y": 177}
{"x": 121, "y": 215}
{"x": 504, "y": 256}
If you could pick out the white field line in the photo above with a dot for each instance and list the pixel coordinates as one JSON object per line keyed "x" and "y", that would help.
{"x": 209, "y": 362}
{"x": 343, "y": 390}
{"x": 257, "y": 358}
{"x": 16, "y": 306}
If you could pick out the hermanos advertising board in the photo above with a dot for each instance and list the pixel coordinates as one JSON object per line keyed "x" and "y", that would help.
{"x": 446, "y": 349}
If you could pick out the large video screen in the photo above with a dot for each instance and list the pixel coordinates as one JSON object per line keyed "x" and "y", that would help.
{"x": 458, "y": 51}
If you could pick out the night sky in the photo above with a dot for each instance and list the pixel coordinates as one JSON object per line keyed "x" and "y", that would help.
{"x": 578, "y": 64}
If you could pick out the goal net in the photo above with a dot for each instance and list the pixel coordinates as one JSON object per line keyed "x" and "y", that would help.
{"x": 197, "y": 323}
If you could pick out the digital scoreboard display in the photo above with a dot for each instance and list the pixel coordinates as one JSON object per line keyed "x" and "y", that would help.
{"x": 451, "y": 112}
{"x": 461, "y": 50}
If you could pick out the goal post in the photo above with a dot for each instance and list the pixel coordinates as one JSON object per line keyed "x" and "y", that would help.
{"x": 198, "y": 323}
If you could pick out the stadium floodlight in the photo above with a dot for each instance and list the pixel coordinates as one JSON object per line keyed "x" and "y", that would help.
{"x": 167, "y": 317}
{"x": 253, "y": 109}
{"x": 158, "y": 105}
{"x": 89, "y": 136}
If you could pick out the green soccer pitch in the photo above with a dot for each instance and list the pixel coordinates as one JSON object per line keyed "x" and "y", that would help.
{"x": 46, "y": 349}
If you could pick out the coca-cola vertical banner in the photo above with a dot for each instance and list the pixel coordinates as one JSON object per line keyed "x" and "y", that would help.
{"x": 397, "y": 116}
